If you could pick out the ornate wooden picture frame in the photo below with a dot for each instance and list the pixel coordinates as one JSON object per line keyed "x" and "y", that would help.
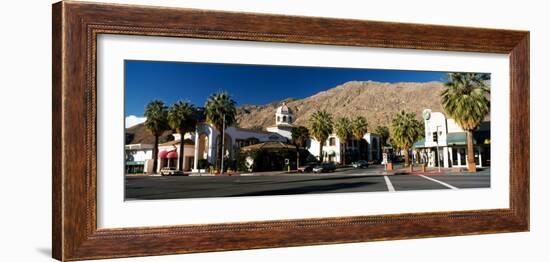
{"x": 76, "y": 26}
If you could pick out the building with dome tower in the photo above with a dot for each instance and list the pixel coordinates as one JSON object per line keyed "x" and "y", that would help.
{"x": 200, "y": 146}
{"x": 283, "y": 121}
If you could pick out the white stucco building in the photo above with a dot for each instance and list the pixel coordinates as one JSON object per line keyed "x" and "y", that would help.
{"x": 207, "y": 138}
{"x": 136, "y": 157}
{"x": 333, "y": 148}
{"x": 202, "y": 144}
{"x": 444, "y": 142}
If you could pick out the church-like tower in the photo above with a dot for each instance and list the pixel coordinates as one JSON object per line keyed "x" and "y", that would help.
{"x": 283, "y": 122}
{"x": 283, "y": 116}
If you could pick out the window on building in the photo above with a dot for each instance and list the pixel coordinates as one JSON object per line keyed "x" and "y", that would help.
{"x": 332, "y": 141}
{"x": 284, "y": 118}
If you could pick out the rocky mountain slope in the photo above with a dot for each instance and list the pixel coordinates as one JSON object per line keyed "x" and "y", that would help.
{"x": 376, "y": 101}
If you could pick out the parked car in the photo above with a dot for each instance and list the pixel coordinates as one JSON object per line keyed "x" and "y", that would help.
{"x": 170, "y": 171}
{"x": 308, "y": 167}
{"x": 324, "y": 167}
{"x": 360, "y": 164}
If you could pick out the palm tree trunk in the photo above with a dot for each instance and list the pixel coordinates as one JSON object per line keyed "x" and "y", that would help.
{"x": 470, "y": 155}
{"x": 358, "y": 154}
{"x": 321, "y": 152}
{"x": 155, "y": 154}
{"x": 361, "y": 149}
{"x": 407, "y": 157}
{"x": 344, "y": 154}
{"x": 297, "y": 157}
{"x": 219, "y": 155}
{"x": 180, "y": 157}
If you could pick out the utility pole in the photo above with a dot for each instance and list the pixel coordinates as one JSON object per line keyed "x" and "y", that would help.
{"x": 223, "y": 142}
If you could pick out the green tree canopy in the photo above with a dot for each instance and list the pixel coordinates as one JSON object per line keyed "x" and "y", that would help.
{"x": 384, "y": 133}
{"x": 217, "y": 105}
{"x": 343, "y": 129}
{"x": 182, "y": 117}
{"x": 220, "y": 106}
{"x": 157, "y": 122}
{"x": 320, "y": 126}
{"x": 157, "y": 117}
{"x": 466, "y": 100}
{"x": 405, "y": 130}
{"x": 300, "y": 135}
{"x": 359, "y": 127}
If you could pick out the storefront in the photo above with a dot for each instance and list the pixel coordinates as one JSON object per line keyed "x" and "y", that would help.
{"x": 445, "y": 143}
{"x": 135, "y": 167}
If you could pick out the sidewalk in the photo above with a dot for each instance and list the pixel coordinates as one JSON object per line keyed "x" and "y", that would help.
{"x": 378, "y": 171}
{"x": 417, "y": 170}
{"x": 269, "y": 173}
{"x": 273, "y": 173}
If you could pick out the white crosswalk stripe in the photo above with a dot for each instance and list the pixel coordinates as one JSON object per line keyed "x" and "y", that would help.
{"x": 437, "y": 181}
{"x": 389, "y": 184}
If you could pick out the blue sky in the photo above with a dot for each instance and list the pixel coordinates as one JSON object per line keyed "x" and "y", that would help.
{"x": 248, "y": 84}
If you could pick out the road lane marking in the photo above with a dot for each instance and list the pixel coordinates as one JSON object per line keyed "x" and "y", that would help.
{"x": 437, "y": 181}
{"x": 389, "y": 184}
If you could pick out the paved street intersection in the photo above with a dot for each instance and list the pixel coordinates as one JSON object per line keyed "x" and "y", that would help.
{"x": 343, "y": 180}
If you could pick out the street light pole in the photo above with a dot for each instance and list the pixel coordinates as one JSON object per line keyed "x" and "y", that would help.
{"x": 223, "y": 142}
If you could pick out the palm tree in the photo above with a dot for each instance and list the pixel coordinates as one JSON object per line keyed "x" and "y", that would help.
{"x": 156, "y": 122}
{"x": 343, "y": 130}
{"x": 300, "y": 135}
{"x": 466, "y": 100}
{"x": 384, "y": 133}
{"x": 220, "y": 109}
{"x": 320, "y": 124}
{"x": 405, "y": 130}
{"x": 359, "y": 127}
{"x": 182, "y": 117}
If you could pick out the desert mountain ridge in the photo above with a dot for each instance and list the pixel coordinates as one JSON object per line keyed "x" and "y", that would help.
{"x": 378, "y": 102}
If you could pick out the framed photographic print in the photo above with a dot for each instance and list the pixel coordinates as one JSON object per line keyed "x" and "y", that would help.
{"x": 183, "y": 130}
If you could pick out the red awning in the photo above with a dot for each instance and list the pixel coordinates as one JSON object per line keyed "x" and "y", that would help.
{"x": 172, "y": 154}
{"x": 163, "y": 153}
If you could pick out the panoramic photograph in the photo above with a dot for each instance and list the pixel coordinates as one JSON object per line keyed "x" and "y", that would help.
{"x": 198, "y": 130}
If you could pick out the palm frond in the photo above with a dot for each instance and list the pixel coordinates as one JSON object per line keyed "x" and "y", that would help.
{"x": 466, "y": 98}
{"x": 219, "y": 105}
{"x": 321, "y": 125}
{"x": 157, "y": 117}
{"x": 182, "y": 117}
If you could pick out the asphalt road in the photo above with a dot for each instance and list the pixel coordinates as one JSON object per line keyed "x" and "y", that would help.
{"x": 361, "y": 180}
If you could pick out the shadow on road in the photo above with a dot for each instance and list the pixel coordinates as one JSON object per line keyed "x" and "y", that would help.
{"x": 307, "y": 189}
